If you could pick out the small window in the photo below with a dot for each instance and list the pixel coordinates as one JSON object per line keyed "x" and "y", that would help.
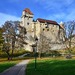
{"x": 47, "y": 29}
{"x": 27, "y": 23}
{"x": 40, "y": 24}
{"x": 43, "y": 29}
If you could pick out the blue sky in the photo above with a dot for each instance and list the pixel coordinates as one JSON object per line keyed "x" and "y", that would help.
{"x": 58, "y": 10}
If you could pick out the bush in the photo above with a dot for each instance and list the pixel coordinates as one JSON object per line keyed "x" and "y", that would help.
{"x": 16, "y": 53}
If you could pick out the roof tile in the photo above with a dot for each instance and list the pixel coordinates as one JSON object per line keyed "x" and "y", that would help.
{"x": 28, "y": 11}
{"x": 48, "y": 21}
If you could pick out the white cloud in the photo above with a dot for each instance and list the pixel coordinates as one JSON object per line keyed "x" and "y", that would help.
{"x": 57, "y": 17}
{"x": 5, "y": 17}
{"x": 62, "y": 16}
{"x": 60, "y": 10}
{"x": 70, "y": 16}
{"x": 54, "y": 4}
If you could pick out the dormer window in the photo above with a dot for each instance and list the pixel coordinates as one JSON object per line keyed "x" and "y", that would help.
{"x": 28, "y": 23}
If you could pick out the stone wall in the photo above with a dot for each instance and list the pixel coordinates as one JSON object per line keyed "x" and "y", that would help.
{"x": 50, "y": 31}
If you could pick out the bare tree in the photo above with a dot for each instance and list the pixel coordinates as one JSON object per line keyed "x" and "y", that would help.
{"x": 69, "y": 30}
{"x": 10, "y": 33}
{"x": 43, "y": 45}
{"x": 22, "y": 36}
{"x": 6, "y": 48}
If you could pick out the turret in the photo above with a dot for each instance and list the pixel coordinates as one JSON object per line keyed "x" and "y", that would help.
{"x": 61, "y": 25}
{"x": 27, "y": 17}
{"x": 27, "y": 13}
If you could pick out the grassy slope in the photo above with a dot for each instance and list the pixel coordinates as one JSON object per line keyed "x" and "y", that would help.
{"x": 52, "y": 67}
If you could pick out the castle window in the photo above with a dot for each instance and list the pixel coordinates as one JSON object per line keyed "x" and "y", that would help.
{"x": 46, "y": 26}
{"x": 28, "y": 23}
{"x": 43, "y": 29}
{"x": 40, "y": 24}
{"x": 47, "y": 29}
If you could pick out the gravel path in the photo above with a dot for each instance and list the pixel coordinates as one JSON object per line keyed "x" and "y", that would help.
{"x": 18, "y": 69}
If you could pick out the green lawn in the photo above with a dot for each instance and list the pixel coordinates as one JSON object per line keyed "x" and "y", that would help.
{"x": 51, "y": 67}
{"x": 6, "y": 64}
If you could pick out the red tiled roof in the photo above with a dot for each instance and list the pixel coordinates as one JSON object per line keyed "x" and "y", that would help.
{"x": 48, "y": 21}
{"x": 28, "y": 11}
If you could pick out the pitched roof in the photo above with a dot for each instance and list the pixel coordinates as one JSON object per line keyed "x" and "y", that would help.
{"x": 48, "y": 21}
{"x": 28, "y": 11}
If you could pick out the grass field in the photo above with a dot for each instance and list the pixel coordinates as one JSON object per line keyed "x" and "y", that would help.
{"x": 51, "y": 67}
{"x": 5, "y": 64}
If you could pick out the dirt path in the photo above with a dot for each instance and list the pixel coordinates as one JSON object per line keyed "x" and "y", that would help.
{"x": 18, "y": 69}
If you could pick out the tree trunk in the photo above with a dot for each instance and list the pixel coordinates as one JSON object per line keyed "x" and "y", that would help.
{"x": 13, "y": 46}
{"x": 8, "y": 55}
{"x": 70, "y": 45}
{"x": 69, "y": 56}
{"x": 12, "y": 52}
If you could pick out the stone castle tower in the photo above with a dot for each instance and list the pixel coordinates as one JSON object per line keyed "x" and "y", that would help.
{"x": 51, "y": 29}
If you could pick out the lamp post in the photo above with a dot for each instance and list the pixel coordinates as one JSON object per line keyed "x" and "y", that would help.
{"x": 35, "y": 46}
{"x": 35, "y": 52}
{"x": 36, "y": 39}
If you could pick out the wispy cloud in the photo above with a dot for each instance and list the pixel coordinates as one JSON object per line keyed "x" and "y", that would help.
{"x": 60, "y": 10}
{"x": 5, "y": 17}
{"x": 54, "y": 3}
{"x": 62, "y": 16}
{"x": 56, "y": 17}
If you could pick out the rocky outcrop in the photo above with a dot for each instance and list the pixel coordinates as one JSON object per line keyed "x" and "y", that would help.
{"x": 57, "y": 46}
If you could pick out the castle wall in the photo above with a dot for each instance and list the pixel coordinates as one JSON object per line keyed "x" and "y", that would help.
{"x": 51, "y": 32}
{"x": 37, "y": 28}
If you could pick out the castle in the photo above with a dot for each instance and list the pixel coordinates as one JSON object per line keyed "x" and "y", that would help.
{"x": 50, "y": 29}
